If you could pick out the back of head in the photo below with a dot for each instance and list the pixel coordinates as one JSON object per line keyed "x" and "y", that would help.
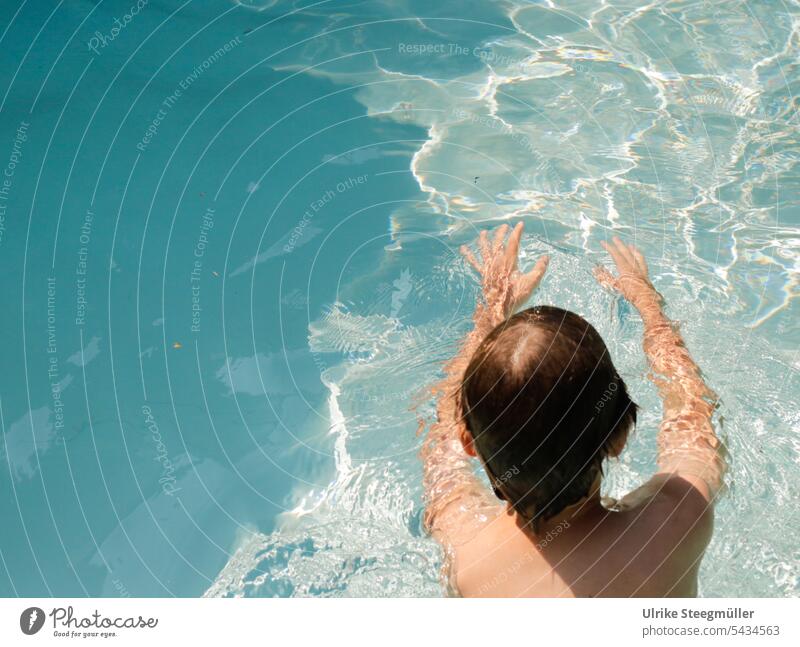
{"x": 544, "y": 405}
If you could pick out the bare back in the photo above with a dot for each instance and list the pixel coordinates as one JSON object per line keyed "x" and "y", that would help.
{"x": 650, "y": 546}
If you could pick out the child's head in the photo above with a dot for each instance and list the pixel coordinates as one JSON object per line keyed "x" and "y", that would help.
{"x": 544, "y": 406}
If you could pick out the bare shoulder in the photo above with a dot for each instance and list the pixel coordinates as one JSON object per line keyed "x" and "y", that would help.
{"x": 675, "y": 506}
{"x": 493, "y": 560}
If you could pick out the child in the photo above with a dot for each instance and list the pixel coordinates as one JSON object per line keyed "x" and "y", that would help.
{"x": 535, "y": 397}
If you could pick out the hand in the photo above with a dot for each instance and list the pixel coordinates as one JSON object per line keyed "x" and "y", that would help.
{"x": 505, "y": 288}
{"x": 632, "y": 280}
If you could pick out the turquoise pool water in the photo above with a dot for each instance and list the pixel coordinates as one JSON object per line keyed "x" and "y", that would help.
{"x": 228, "y": 244}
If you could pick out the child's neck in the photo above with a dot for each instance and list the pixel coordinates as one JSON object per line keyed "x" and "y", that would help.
{"x": 586, "y": 506}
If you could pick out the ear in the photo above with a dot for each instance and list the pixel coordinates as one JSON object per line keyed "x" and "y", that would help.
{"x": 466, "y": 441}
{"x": 616, "y": 447}
{"x": 618, "y": 443}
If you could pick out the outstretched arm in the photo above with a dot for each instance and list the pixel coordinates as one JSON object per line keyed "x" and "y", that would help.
{"x": 452, "y": 492}
{"x": 687, "y": 443}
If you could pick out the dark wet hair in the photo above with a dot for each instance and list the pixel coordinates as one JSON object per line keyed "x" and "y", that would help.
{"x": 544, "y": 405}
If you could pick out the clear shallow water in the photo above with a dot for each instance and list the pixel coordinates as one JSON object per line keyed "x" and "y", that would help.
{"x": 322, "y": 165}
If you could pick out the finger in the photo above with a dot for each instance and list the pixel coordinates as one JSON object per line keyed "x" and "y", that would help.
{"x": 499, "y": 237}
{"x": 639, "y": 258}
{"x": 613, "y": 253}
{"x": 466, "y": 252}
{"x": 530, "y": 281}
{"x": 604, "y": 277}
{"x": 483, "y": 245}
{"x": 512, "y": 249}
{"x": 620, "y": 246}
{"x": 623, "y": 258}
{"x": 540, "y": 268}
{"x": 625, "y": 253}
